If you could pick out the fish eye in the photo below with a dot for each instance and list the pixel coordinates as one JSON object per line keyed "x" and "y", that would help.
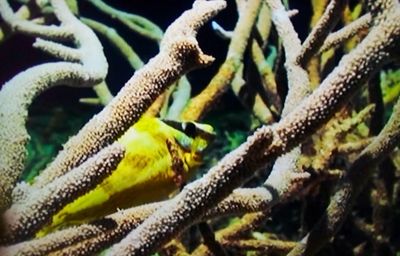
{"x": 189, "y": 129}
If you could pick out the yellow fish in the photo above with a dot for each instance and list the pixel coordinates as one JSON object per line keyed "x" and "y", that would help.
{"x": 159, "y": 158}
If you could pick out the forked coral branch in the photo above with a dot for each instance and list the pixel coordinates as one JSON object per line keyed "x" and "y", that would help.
{"x": 36, "y": 207}
{"x": 353, "y": 70}
{"x": 224, "y": 191}
{"x": 18, "y": 93}
{"x": 203, "y": 102}
{"x": 179, "y": 53}
{"x": 350, "y": 187}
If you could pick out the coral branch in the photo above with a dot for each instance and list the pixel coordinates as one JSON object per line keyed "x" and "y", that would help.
{"x": 50, "y": 243}
{"x": 202, "y": 103}
{"x": 22, "y": 220}
{"x": 20, "y": 25}
{"x": 85, "y": 239}
{"x": 297, "y": 77}
{"x": 188, "y": 204}
{"x": 58, "y": 50}
{"x": 179, "y": 54}
{"x": 320, "y": 31}
{"x": 266, "y": 247}
{"x": 232, "y": 232}
{"x": 247, "y": 224}
{"x": 336, "y": 38}
{"x": 353, "y": 70}
{"x": 17, "y": 94}
{"x": 136, "y": 23}
{"x": 23, "y": 13}
{"x": 330, "y": 121}
{"x": 342, "y": 200}
{"x": 285, "y": 175}
{"x": 120, "y": 44}
{"x": 350, "y": 187}
{"x": 90, "y": 238}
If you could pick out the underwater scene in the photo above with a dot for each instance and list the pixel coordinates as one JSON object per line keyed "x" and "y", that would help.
{"x": 200, "y": 127}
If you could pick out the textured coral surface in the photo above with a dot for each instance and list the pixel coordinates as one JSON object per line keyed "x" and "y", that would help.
{"x": 303, "y": 97}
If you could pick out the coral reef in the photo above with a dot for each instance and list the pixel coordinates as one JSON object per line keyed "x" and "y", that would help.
{"x": 322, "y": 139}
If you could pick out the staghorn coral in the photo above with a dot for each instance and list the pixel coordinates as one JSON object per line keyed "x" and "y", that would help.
{"x": 219, "y": 84}
{"x": 25, "y": 218}
{"x": 179, "y": 53}
{"x": 352, "y": 71}
{"x": 324, "y": 113}
{"x": 13, "y": 111}
{"x": 350, "y": 186}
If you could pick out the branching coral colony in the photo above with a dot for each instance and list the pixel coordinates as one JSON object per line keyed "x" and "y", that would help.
{"x": 304, "y": 134}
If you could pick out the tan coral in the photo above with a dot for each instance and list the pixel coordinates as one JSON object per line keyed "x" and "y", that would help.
{"x": 27, "y": 216}
{"x": 353, "y": 70}
{"x": 17, "y": 94}
{"x": 179, "y": 54}
{"x": 148, "y": 228}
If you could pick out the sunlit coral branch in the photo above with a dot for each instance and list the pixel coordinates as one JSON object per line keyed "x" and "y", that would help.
{"x": 28, "y": 215}
{"x": 243, "y": 85}
{"x": 142, "y": 230}
{"x": 120, "y": 44}
{"x": 58, "y": 50}
{"x": 179, "y": 53}
{"x": 351, "y": 185}
{"x": 258, "y": 107}
{"x": 360, "y": 170}
{"x": 264, "y": 23}
{"x": 266, "y": 101}
{"x": 320, "y": 31}
{"x": 318, "y": 8}
{"x": 96, "y": 236}
{"x": 353, "y": 70}
{"x": 337, "y": 37}
{"x": 48, "y": 244}
{"x": 297, "y": 77}
{"x": 285, "y": 172}
{"x": 203, "y": 102}
{"x": 23, "y": 13}
{"x": 322, "y": 22}
{"x": 314, "y": 64}
{"x": 85, "y": 239}
{"x": 17, "y": 94}
{"x": 20, "y": 25}
{"x": 262, "y": 62}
